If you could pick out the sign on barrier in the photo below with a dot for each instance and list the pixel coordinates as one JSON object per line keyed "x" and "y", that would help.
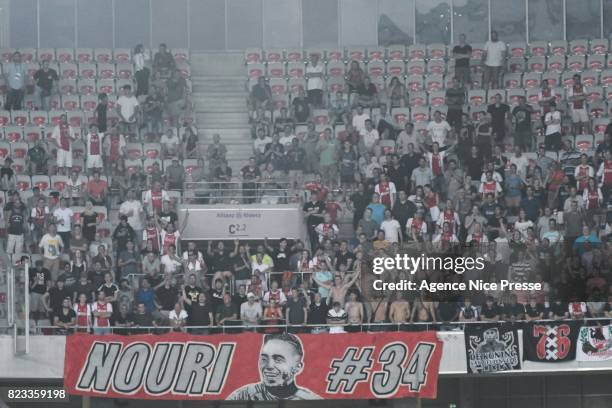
{"x": 254, "y": 366}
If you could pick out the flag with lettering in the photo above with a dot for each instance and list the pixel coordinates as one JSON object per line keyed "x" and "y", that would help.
{"x": 491, "y": 348}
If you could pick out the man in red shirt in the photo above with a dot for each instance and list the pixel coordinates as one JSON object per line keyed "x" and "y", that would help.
{"x": 94, "y": 150}
{"x": 97, "y": 190}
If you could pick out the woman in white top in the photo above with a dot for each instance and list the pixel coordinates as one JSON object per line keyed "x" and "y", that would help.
{"x": 522, "y": 224}
{"x": 141, "y": 71}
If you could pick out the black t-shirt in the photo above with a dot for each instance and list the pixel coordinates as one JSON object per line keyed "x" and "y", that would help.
{"x": 498, "y": 115}
{"x": 225, "y": 311}
{"x": 318, "y": 313}
{"x": 57, "y": 296}
{"x": 522, "y": 114}
{"x": 474, "y": 167}
{"x": 87, "y": 289}
{"x": 39, "y": 279}
{"x": 249, "y": 173}
{"x": 397, "y": 176}
{"x": 101, "y": 113}
{"x": 462, "y": 62}
{"x": 96, "y": 278}
{"x": 558, "y": 309}
{"x": 216, "y": 299}
{"x": 199, "y": 314}
{"x": 455, "y": 97}
{"x": 534, "y": 311}
{"x": 489, "y": 312}
{"x": 319, "y": 207}
{"x": 301, "y": 109}
{"x": 360, "y": 202}
{"x": 515, "y": 310}
{"x": 65, "y": 317}
{"x": 109, "y": 291}
{"x": 166, "y": 297}
{"x": 192, "y": 292}
{"x": 16, "y": 222}
{"x": 281, "y": 260}
{"x": 44, "y": 79}
{"x": 296, "y": 310}
{"x": 143, "y": 320}
{"x": 220, "y": 262}
{"x": 447, "y": 311}
{"x": 343, "y": 259}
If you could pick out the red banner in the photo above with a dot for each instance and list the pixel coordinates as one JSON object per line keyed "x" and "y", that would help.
{"x": 252, "y": 366}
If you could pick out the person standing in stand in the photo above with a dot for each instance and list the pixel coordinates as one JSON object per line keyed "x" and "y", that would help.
{"x": 63, "y": 135}
{"x": 101, "y": 311}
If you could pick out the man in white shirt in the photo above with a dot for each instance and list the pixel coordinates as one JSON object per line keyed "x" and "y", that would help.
{"x": 127, "y": 108}
{"x": 63, "y": 135}
{"x": 170, "y": 143}
{"x": 438, "y": 130}
{"x": 552, "y": 120}
{"x": 370, "y": 136}
{"x": 493, "y": 58}
{"x": 359, "y": 119}
{"x": 132, "y": 208}
{"x": 392, "y": 228}
{"x": 406, "y": 137}
{"x": 314, "y": 85}
{"x": 94, "y": 149}
{"x": 63, "y": 218}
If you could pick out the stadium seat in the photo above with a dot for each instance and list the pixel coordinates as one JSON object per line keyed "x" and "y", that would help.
{"x": 567, "y": 78}
{"x": 45, "y": 54}
{"x": 514, "y": 95}
{"x": 68, "y": 86}
{"x": 356, "y": 54}
{"x": 597, "y": 108}
{"x": 434, "y": 82}
{"x": 396, "y": 68}
{"x": 23, "y": 182}
{"x": 556, "y": 63}
{"x": 516, "y": 64}
{"x": 278, "y": 86}
{"x": 295, "y": 85}
{"x": 13, "y": 133}
{"x": 6, "y": 54}
{"x": 5, "y": 149}
{"x": 68, "y": 70}
{"x": 30, "y": 101}
{"x": 122, "y": 55}
{"x": 106, "y": 71}
{"x": 599, "y": 46}
{"x": 419, "y": 114}
{"x": 536, "y": 64}
{"x": 417, "y": 52}
{"x": 594, "y": 93}
{"x": 28, "y": 55}
{"x": 606, "y": 77}
{"x": 32, "y": 133}
{"x": 87, "y": 70}
{"x": 274, "y": 56}
{"x": 31, "y": 68}
{"x": 190, "y": 165}
{"x": 396, "y": 53}
{"x": 590, "y": 77}
{"x": 576, "y": 62}
{"x": 75, "y": 118}
{"x": 39, "y": 117}
{"x": 84, "y": 55}
{"x": 376, "y": 68}
{"x": 55, "y": 102}
{"x": 584, "y": 142}
{"x": 20, "y": 117}
{"x": 151, "y": 150}
{"x": 103, "y": 55}
{"x": 124, "y": 71}
{"x": 276, "y": 69}
{"x": 375, "y": 54}
{"x": 295, "y": 69}
{"x": 70, "y": 102}
{"x": 437, "y": 98}
{"x": 417, "y": 98}
{"x": 414, "y": 83}
{"x": 335, "y": 69}
{"x": 333, "y": 54}
{"x": 253, "y": 56}
{"x": 89, "y": 102}
{"x": 517, "y": 50}
{"x": 579, "y": 47}
{"x": 58, "y": 183}
{"x": 64, "y": 55}
{"x": 54, "y": 117}
{"x": 256, "y": 70}
{"x": 437, "y": 67}
{"x": 134, "y": 151}
{"x": 436, "y": 51}
{"x": 558, "y": 48}
{"x": 477, "y": 51}
{"x": 106, "y": 86}
{"x": 401, "y": 115}
{"x": 596, "y": 62}
{"x": 477, "y": 97}
{"x": 43, "y": 182}
{"x": 512, "y": 81}
{"x": 294, "y": 55}
{"x": 416, "y": 67}
{"x": 5, "y": 117}
{"x": 538, "y": 48}
{"x": 552, "y": 78}
{"x": 335, "y": 84}
{"x": 532, "y": 80}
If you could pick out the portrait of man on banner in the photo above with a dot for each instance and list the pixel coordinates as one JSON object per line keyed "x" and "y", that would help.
{"x": 281, "y": 359}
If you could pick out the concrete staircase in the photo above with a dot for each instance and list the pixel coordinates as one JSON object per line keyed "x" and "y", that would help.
{"x": 219, "y": 96}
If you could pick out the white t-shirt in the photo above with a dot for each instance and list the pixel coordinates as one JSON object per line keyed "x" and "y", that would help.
{"x": 314, "y": 82}
{"x": 65, "y": 219}
{"x": 170, "y": 265}
{"x": 392, "y": 229}
{"x": 260, "y": 144}
{"x": 438, "y": 131}
{"x": 286, "y": 140}
{"x": 495, "y": 53}
{"x": 370, "y": 138}
{"x": 136, "y": 208}
{"x": 359, "y": 121}
{"x": 181, "y": 317}
{"x": 553, "y": 127}
{"x": 51, "y": 246}
{"x": 520, "y": 162}
{"x": 128, "y": 106}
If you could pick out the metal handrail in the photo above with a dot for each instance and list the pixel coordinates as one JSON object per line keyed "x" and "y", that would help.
{"x": 363, "y": 327}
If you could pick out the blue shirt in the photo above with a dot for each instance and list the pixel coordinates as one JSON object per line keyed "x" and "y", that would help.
{"x": 15, "y": 74}
{"x": 581, "y": 240}
{"x": 146, "y": 297}
{"x": 531, "y": 207}
{"x": 378, "y": 212}
{"x": 325, "y": 277}
{"x": 513, "y": 184}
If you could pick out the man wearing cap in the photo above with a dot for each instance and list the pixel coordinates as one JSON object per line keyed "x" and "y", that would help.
{"x": 251, "y": 311}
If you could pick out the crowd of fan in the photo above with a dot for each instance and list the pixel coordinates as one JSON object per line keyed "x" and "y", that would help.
{"x": 454, "y": 190}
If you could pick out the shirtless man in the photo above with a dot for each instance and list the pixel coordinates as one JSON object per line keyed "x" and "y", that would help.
{"x": 338, "y": 290}
{"x": 354, "y": 309}
{"x": 399, "y": 311}
{"x": 379, "y": 308}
